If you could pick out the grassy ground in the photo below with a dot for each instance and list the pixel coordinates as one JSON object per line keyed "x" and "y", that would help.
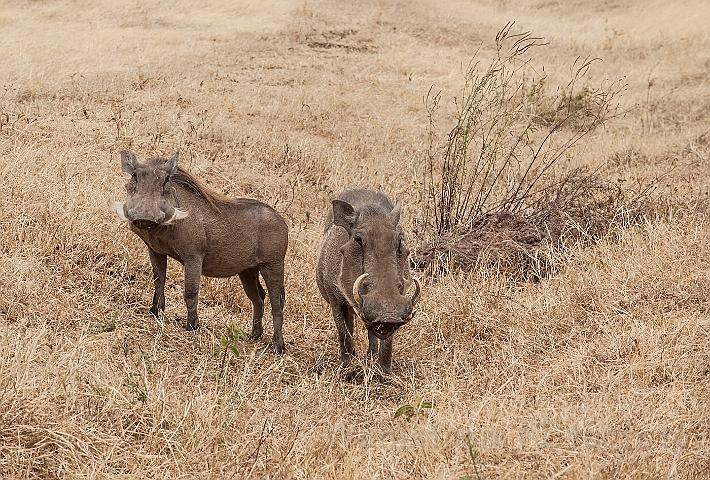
{"x": 601, "y": 371}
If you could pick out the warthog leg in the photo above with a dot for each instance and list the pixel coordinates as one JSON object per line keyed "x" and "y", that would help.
{"x": 385, "y": 355}
{"x": 274, "y": 279}
{"x": 160, "y": 264}
{"x": 373, "y": 347}
{"x": 255, "y": 292}
{"x": 344, "y": 317}
{"x": 380, "y": 349}
{"x": 193, "y": 273}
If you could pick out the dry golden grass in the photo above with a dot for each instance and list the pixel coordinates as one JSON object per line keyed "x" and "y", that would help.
{"x": 601, "y": 371}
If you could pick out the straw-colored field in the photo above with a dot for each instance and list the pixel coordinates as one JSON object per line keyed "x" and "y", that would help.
{"x": 600, "y": 371}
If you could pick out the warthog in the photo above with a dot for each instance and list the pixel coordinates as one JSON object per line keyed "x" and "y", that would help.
{"x": 208, "y": 233}
{"x": 363, "y": 267}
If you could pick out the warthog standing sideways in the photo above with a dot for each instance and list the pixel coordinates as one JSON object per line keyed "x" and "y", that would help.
{"x": 363, "y": 267}
{"x": 208, "y": 233}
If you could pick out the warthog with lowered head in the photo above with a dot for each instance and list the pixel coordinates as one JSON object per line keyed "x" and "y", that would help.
{"x": 208, "y": 233}
{"x": 363, "y": 267}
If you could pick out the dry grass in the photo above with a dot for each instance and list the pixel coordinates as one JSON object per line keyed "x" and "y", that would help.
{"x": 601, "y": 371}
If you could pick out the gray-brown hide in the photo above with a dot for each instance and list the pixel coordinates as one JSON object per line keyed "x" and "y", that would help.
{"x": 208, "y": 233}
{"x": 363, "y": 267}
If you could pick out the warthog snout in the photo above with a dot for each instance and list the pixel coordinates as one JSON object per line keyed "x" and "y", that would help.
{"x": 145, "y": 224}
{"x": 143, "y": 217}
{"x": 383, "y": 315}
{"x": 146, "y": 219}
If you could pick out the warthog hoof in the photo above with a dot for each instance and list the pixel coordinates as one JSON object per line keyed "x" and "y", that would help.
{"x": 354, "y": 376}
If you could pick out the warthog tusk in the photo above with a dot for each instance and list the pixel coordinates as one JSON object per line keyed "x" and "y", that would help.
{"x": 417, "y": 290}
{"x": 177, "y": 215}
{"x": 117, "y": 208}
{"x": 356, "y": 289}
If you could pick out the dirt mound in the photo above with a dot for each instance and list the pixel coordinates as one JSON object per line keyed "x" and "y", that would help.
{"x": 505, "y": 239}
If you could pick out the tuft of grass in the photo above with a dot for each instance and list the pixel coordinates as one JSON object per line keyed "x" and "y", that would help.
{"x": 229, "y": 345}
{"x": 418, "y": 406}
{"x": 108, "y": 325}
{"x": 474, "y": 459}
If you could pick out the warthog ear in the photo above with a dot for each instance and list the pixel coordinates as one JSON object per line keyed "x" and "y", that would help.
{"x": 128, "y": 161}
{"x": 395, "y": 213}
{"x": 343, "y": 214}
{"x": 171, "y": 164}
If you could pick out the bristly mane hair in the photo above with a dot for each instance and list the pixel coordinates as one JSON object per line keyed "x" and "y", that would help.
{"x": 372, "y": 210}
{"x": 185, "y": 179}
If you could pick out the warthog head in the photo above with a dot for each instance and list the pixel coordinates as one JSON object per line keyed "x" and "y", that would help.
{"x": 151, "y": 197}
{"x": 375, "y": 261}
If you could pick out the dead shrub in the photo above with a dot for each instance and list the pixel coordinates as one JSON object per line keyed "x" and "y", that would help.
{"x": 582, "y": 206}
{"x": 505, "y": 241}
{"x": 501, "y": 158}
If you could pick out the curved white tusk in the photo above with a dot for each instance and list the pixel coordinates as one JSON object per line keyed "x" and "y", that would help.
{"x": 417, "y": 290}
{"x": 177, "y": 215}
{"x": 356, "y": 289}
{"x": 117, "y": 208}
